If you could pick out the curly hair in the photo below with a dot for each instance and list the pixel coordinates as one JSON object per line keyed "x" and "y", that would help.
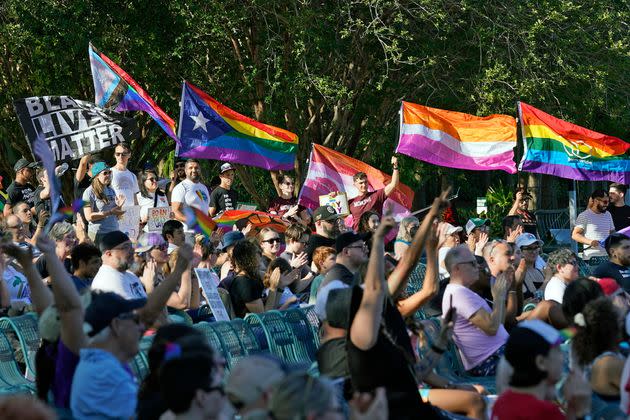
{"x": 245, "y": 257}
{"x": 364, "y": 221}
{"x": 404, "y": 228}
{"x": 600, "y": 332}
{"x": 281, "y": 263}
{"x": 560, "y": 257}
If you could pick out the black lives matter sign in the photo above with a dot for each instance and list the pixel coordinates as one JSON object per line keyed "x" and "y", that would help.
{"x": 72, "y": 128}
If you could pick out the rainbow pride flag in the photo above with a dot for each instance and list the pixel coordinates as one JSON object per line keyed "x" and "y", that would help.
{"x": 199, "y": 221}
{"x": 457, "y": 140}
{"x": 259, "y": 219}
{"x": 114, "y": 88}
{"x": 556, "y": 147}
{"x": 210, "y": 130}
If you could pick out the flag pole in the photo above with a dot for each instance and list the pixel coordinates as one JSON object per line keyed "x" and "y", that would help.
{"x": 573, "y": 194}
{"x": 181, "y": 118}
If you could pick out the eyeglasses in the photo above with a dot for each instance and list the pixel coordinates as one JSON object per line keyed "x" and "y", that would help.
{"x": 530, "y": 248}
{"x": 272, "y": 240}
{"x": 106, "y": 172}
{"x": 364, "y": 246}
{"x": 121, "y": 154}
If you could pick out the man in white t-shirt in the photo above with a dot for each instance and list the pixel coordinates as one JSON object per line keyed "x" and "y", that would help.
{"x": 593, "y": 225}
{"x": 117, "y": 256}
{"x": 123, "y": 180}
{"x": 563, "y": 263}
{"x": 190, "y": 193}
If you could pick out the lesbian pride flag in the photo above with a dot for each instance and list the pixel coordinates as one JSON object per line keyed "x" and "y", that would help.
{"x": 115, "y": 89}
{"x": 457, "y": 140}
{"x": 556, "y": 147}
{"x": 210, "y": 130}
{"x": 331, "y": 171}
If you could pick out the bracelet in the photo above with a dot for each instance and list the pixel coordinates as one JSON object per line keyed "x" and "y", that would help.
{"x": 437, "y": 349}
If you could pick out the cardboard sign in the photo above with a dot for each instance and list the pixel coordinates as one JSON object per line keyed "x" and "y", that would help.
{"x": 339, "y": 202}
{"x": 247, "y": 206}
{"x": 208, "y": 280}
{"x": 157, "y": 216}
{"x": 129, "y": 222}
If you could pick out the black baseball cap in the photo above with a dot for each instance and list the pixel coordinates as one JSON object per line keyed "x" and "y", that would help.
{"x": 112, "y": 239}
{"x": 325, "y": 213}
{"x": 348, "y": 238}
{"x": 23, "y": 163}
{"x": 106, "y": 306}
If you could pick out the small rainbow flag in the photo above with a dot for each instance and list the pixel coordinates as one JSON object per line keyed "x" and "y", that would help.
{"x": 556, "y": 147}
{"x": 114, "y": 88}
{"x": 210, "y": 130}
{"x": 457, "y": 140}
{"x": 199, "y": 221}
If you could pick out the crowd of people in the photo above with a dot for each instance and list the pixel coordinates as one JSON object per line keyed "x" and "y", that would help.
{"x": 554, "y": 340}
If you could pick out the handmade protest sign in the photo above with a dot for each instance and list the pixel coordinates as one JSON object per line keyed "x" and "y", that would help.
{"x": 129, "y": 222}
{"x": 157, "y": 216}
{"x": 208, "y": 281}
{"x": 72, "y": 128}
{"x": 338, "y": 200}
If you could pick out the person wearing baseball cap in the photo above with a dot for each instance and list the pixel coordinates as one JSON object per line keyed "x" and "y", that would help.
{"x": 535, "y": 361}
{"x": 117, "y": 255}
{"x": 352, "y": 252}
{"x": 451, "y": 239}
{"x": 21, "y": 189}
{"x": 224, "y": 197}
{"x": 520, "y": 208}
{"x": 530, "y": 247}
{"x": 326, "y": 229}
{"x": 476, "y": 225}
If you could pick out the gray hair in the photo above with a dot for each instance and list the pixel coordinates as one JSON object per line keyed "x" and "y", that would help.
{"x": 59, "y": 230}
{"x": 488, "y": 249}
{"x": 299, "y": 394}
{"x": 453, "y": 255}
{"x": 560, "y": 256}
{"x": 403, "y": 229}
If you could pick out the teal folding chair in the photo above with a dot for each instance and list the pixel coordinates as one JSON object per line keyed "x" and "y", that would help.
{"x": 313, "y": 319}
{"x": 247, "y": 337}
{"x": 234, "y": 349}
{"x": 212, "y": 337}
{"x": 278, "y": 336}
{"x": 306, "y": 343}
{"x": 11, "y": 378}
{"x": 26, "y": 330}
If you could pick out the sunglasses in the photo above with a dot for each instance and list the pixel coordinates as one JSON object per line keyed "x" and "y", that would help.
{"x": 272, "y": 240}
{"x": 530, "y": 248}
{"x": 121, "y": 154}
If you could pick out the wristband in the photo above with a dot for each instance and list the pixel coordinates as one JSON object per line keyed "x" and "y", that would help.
{"x": 436, "y": 349}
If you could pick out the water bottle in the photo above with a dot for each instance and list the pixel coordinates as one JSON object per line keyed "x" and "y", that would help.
{"x": 61, "y": 169}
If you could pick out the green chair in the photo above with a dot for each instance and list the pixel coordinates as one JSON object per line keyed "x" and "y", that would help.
{"x": 27, "y": 331}
{"x": 584, "y": 268}
{"x": 211, "y": 335}
{"x": 179, "y": 316}
{"x": 11, "y": 378}
{"x": 278, "y": 336}
{"x": 306, "y": 343}
{"x": 139, "y": 366}
{"x": 247, "y": 337}
{"x": 416, "y": 279}
{"x": 234, "y": 349}
{"x": 313, "y": 319}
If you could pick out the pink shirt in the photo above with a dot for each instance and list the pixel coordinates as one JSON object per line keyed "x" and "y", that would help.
{"x": 474, "y": 345}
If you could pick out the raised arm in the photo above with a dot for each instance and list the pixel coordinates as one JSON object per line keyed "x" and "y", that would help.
{"x": 430, "y": 286}
{"x": 67, "y": 299}
{"x": 365, "y": 326}
{"x": 82, "y": 168}
{"x": 181, "y": 299}
{"x": 397, "y": 280}
{"x": 41, "y": 297}
{"x": 490, "y": 323}
{"x": 389, "y": 188}
{"x": 157, "y": 300}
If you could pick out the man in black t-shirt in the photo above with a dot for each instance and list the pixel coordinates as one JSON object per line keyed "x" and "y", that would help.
{"x": 223, "y": 197}
{"x": 618, "y": 267}
{"x": 617, "y": 208}
{"x": 21, "y": 188}
{"x": 326, "y": 230}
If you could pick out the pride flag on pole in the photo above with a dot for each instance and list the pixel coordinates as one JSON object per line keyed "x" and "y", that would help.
{"x": 556, "y": 147}
{"x": 210, "y": 130}
{"x": 114, "y": 88}
{"x": 457, "y": 140}
{"x": 331, "y": 171}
